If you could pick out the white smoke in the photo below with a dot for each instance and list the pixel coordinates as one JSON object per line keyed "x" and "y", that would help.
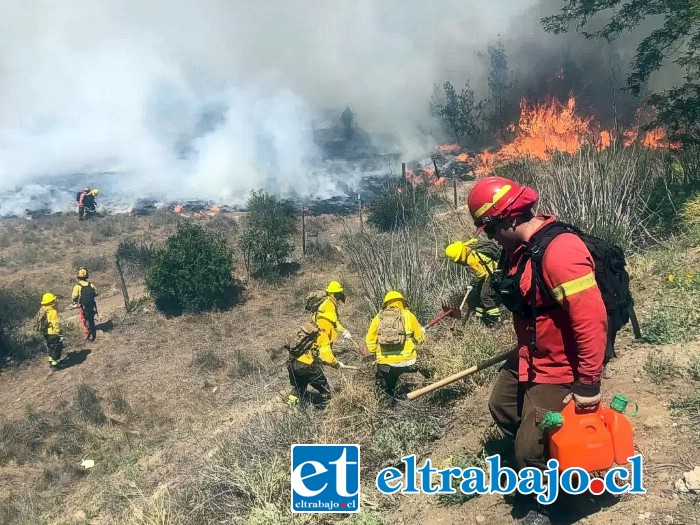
{"x": 210, "y": 99}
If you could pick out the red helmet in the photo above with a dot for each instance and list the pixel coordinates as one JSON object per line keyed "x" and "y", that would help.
{"x": 495, "y": 198}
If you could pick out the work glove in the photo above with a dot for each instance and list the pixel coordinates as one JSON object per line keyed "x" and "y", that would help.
{"x": 74, "y": 305}
{"x": 346, "y": 335}
{"x": 341, "y": 364}
{"x": 585, "y": 396}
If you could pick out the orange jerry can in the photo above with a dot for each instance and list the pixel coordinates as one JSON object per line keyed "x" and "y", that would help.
{"x": 581, "y": 440}
{"x": 620, "y": 428}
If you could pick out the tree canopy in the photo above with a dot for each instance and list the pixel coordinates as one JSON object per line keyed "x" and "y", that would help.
{"x": 677, "y": 37}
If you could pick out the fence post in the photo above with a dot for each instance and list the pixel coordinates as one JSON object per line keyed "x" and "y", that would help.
{"x": 303, "y": 230}
{"x": 122, "y": 283}
{"x": 454, "y": 187}
{"x": 359, "y": 199}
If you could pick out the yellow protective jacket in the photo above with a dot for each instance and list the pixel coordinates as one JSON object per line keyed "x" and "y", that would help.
{"x": 77, "y": 288}
{"x": 328, "y": 323}
{"x": 477, "y": 263}
{"x": 391, "y": 355}
{"x": 330, "y": 306}
{"x": 52, "y": 318}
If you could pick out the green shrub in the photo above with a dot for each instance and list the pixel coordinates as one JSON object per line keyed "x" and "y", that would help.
{"x": 660, "y": 369}
{"x": 267, "y": 241}
{"x": 16, "y": 306}
{"x": 193, "y": 273}
{"x": 399, "y": 205}
{"x": 663, "y": 328}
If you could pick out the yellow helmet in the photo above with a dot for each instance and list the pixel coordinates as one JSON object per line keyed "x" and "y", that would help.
{"x": 82, "y": 273}
{"x": 48, "y": 299}
{"x": 454, "y": 251}
{"x": 334, "y": 287}
{"x": 95, "y": 192}
{"x": 392, "y": 296}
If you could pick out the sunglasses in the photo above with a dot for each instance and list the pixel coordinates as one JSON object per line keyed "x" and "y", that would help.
{"x": 489, "y": 224}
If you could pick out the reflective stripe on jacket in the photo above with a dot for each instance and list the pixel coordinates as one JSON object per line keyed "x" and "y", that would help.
{"x": 570, "y": 339}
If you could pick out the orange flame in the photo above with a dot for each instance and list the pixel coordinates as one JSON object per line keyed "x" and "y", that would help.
{"x": 548, "y": 127}
{"x": 449, "y": 148}
{"x": 424, "y": 176}
{"x": 552, "y": 126}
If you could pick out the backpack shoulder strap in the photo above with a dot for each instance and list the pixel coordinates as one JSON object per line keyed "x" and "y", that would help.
{"x": 536, "y": 247}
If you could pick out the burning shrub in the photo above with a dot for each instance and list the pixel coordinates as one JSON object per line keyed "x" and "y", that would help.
{"x": 193, "y": 272}
{"x": 267, "y": 239}
{"x": 402, "y": 206}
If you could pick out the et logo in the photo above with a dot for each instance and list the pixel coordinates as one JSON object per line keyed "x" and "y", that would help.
{"x": 325, "y": 478}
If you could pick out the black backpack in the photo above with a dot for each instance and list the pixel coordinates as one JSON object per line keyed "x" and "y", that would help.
{"x": 610, "y": 274}
{"x": 87, "y": 295}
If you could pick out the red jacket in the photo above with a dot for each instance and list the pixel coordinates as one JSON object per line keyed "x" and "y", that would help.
{"x": 571, "y": 339}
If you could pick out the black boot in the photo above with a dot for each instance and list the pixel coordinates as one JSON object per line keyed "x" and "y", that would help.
{"x": 537, "y": 516}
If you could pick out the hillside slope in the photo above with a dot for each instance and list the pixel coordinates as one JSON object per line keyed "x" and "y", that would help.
{"x": 195, "y": 429}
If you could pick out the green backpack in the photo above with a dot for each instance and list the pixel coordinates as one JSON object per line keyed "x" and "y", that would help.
{"x": 314, "y": 300}
{"x": 303, "y": 340}
{"x": 41, "y": 322}
{"x": 489, "y": 248}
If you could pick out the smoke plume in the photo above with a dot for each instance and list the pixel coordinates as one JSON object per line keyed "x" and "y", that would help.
{"x": 211, "y": 99}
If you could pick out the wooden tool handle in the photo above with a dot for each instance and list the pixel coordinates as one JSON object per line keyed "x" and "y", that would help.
{"x": 459, "y": 375}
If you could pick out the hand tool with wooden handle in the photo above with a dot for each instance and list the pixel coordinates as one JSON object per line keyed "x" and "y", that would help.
{"x": 459, "y": 375}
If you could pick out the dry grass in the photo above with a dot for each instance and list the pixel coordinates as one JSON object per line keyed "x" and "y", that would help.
{"x": 216, "y": 445}
{"x": 397, "y": 261}
{"x": 607, "y": 193}
{"x": 159, "y": 509}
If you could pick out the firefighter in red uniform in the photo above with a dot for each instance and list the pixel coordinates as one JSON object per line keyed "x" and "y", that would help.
{"x": 562, "y": 358}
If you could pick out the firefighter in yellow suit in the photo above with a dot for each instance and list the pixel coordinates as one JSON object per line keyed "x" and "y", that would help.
{"x": 482, "y": 298}
{"x": 50, "y": 326}
{"x": 394, "y": 361}
{"x": 306, "y": 369}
